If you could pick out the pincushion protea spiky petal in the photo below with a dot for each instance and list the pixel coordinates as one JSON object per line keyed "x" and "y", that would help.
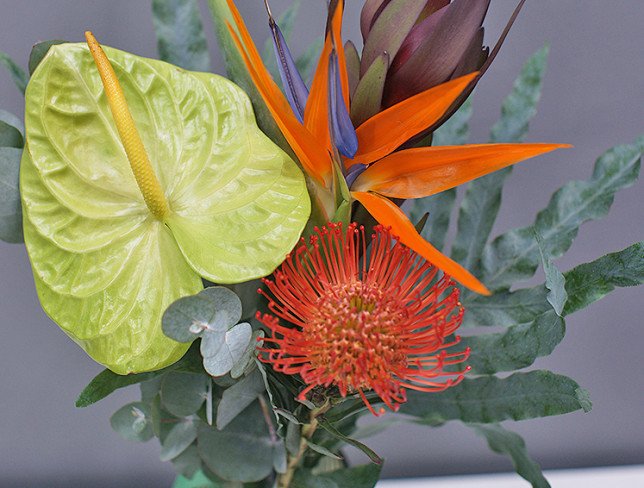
{"x": 359, "y": 323}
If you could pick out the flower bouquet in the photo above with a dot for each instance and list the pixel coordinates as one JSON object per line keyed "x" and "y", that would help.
{"x": 265, "y": 256}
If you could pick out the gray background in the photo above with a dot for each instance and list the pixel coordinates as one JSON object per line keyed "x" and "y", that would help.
{"x": 592, "y": 99}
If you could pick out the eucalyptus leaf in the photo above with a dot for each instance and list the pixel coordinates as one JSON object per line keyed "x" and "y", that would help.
{"x": 188, "y": 465}
{"x": 180, "y": 36}
{"x": 18, "y": 75}
{"x": 11, "y": 131}
{"x": 133, "y": 422}
{"x": 555, "y": 280}
{"x": 517, "y": 347}
{"x": 243, "y": 451}
{"x": 150, "y": 388}
{"x": 514, "y": 255}
{"x": 482, "y": 199}
{"x": 221, "y": 352}
{"x": 182, "y": 394}
{"x": 180, "y": 437}
{"x": 239, "y": 396}
{"x": 214, "y": 309}
{"x": 10, "y": 208}
{"x": 504, "y": 441}
{"x": 39, "y": 51}
{"x": 365, "y": 476}
{"x": 246, "y": 363}
{"x": 238, "y": 203}
{"x": 488, "y": 399}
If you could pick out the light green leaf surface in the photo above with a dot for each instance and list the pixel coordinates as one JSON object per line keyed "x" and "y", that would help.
{"x": 488, "y": 399}
{"x": 180, "y": 36}
{"x": 507, "y": 442}
{"x": 10, "y": 209}
{"x": 18, "y": 75}
{"x": 514, "y": 255}
{"x": 105, "y": 268}
{"x": 482, "y": 199}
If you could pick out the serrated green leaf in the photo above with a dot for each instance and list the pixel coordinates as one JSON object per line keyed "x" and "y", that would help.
{"x": 555, "y": 280}
{"x": 243, "y": 451}
{"x": 592, "y": 281}
{"x": 326, "y": 425}
{"x": 517, "y": 347}
{"x": 11, "y": 131}
{"x": 482, "y": 199}
{"x": 39, "y": 51}
{"x": 10, "y": 208}
{"x": 504, "y": 441}
{"x": 182, "y": 394}
{"x": 488, "y": 399}
{"x": 222, "y": 351}
{"x": 585, "y": 284}
{"x": 133, "y": 422}
{"x": 180, "y": 437}
{"x": 439, "y": 207}
{"x": 456, "y": 131}
{"x": 306, "y": 62}
{"x": 18, "y": 75}
{"x": 116, "y": 266}
{"x": 514, "y": 255}
{"x": 180, "y": 36}
{"x": 239, "y": 396}
{"x": 365, "y": 476}
{"x": 215, "y": 309}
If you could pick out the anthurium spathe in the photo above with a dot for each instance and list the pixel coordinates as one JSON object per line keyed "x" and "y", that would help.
{"x": 138, "y": 180}
{"x": 373, "y": 168}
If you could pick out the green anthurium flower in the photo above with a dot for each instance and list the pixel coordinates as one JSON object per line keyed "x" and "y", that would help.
{"x": 139, "y": 179}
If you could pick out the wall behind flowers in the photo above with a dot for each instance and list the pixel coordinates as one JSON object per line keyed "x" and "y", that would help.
{"x": 592, "y": 98}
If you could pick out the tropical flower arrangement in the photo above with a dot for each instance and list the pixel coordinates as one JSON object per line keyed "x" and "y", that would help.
{"x": 265, "y": 257}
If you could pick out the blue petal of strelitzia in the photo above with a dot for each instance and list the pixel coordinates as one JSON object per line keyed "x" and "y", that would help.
{"x": 342, "y": 130}
{"x": 296, "y": 91}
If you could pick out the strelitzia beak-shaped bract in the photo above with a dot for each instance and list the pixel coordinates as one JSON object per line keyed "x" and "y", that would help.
{"x": 139, "y": 179}
{"x": 378, "y": 169}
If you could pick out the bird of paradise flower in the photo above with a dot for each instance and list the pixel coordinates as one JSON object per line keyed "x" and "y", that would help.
{"x": 365, "y": 163}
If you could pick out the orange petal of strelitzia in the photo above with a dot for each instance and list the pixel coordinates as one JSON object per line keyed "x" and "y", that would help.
{"x": 417, "y": 173}
{"x": 316, "y": 113}
{"x": 386, "y": 131}
{"x": 313, "y": 157}
{"x": 389, "y": 214}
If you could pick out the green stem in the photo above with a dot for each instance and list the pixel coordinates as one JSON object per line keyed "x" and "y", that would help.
{"x": 284, "y": 479}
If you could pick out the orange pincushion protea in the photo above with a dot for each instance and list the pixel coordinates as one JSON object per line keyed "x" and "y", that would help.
{"x": 362, "y": 322}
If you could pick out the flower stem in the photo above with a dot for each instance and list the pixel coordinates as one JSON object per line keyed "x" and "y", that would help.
{"x": 284, "y": 479}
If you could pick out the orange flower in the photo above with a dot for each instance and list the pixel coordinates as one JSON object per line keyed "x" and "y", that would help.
{"x": 362, "y": 323}
{"x": 376, "y": 170}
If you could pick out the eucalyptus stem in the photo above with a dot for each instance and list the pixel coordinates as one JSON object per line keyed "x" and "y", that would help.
{"x": 284, "y": 479}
